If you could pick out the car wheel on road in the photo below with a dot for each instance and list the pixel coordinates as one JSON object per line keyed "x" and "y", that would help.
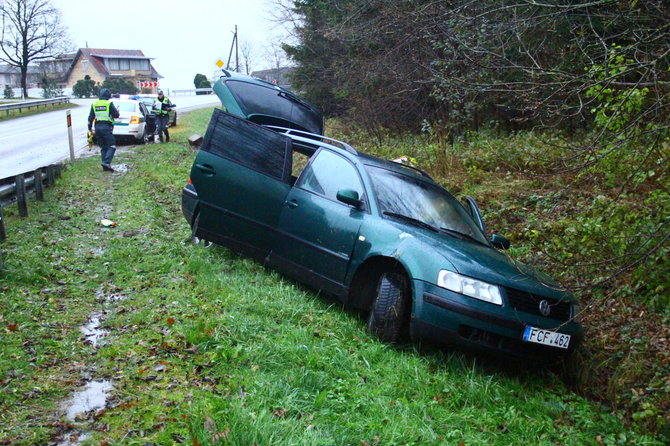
{"x": 387, "y": 317}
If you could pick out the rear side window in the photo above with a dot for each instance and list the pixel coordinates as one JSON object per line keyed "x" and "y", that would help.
{"x": 249, "y": 145}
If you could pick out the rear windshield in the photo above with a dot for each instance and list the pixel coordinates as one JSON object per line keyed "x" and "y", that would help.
{"x": 125, "y": 106}
{"x": 267, "y": 101}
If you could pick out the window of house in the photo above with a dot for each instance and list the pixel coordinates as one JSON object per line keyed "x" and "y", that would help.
{"x": 84, "y": 65}
{"x": 139, "y": 64}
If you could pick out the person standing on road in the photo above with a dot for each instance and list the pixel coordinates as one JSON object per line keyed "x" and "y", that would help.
{"x": 103, "y": 113}
{"x": 162, "y": 107}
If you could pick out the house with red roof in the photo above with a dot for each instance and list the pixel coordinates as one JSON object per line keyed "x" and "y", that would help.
{"x": 101, "y": 64}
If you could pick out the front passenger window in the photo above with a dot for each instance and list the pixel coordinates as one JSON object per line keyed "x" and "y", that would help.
{"x": 330, "y": 173}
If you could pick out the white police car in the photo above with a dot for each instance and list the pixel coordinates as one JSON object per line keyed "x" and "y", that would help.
{"x": 132, "y": 122}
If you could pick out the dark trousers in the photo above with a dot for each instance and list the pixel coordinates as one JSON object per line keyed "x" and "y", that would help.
{"x": 162, "y": 127}
{"x": 106, "y": 141}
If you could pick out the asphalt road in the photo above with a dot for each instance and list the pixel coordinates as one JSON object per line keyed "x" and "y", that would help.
{"x": 35, "y": 141}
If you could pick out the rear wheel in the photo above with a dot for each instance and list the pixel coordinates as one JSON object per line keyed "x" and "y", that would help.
{"x": 388, "y": 316}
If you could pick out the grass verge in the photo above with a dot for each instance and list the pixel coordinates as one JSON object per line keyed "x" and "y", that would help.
{"x": 205, "y": 347}
{"x": 12, "y": 114}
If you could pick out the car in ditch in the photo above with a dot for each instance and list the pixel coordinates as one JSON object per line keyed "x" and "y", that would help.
{"x": 379, "y": 235}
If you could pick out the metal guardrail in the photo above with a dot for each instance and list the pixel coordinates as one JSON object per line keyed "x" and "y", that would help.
{"x": 33, "y": 103}
{"x": 192, "y": 91}
{"x": 17, "y": 189}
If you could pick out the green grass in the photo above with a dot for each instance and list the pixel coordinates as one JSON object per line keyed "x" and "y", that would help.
{"x": 12, "y": 114}
{"x": 206, "y": 347}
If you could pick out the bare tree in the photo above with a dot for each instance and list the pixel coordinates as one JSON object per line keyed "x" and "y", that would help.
{"x": 248, "y": 55}
{"x": 31, "y": 31}
{"x": 276, "y": 55}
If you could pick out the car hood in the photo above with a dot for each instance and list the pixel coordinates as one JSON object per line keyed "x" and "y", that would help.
{"x": 488, "y": 264}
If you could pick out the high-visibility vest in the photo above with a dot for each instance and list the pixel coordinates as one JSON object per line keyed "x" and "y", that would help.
{"x": 164, "y": 102}
{"x": 102, "y": 110}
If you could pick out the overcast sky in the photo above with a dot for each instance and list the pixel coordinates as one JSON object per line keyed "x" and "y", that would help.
{"x": 183, "y": 37}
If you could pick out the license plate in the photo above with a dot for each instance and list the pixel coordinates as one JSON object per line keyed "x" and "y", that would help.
{"x": 546, "y": 337}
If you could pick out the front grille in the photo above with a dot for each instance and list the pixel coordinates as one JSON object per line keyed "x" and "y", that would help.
{"x": 530, "y": 303}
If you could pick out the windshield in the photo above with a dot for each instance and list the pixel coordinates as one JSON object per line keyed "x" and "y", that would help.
{"x": 402, "y": 196}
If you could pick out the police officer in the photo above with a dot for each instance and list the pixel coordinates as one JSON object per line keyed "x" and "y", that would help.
{"x": 162, "y": 106}
{"x": 104, "y": 113}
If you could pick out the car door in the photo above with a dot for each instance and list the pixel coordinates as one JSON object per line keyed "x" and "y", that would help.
{"x": 317, "y": 232}
{"x": 241, "y": 175}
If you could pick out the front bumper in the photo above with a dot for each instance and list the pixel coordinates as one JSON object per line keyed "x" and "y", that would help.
{"x": 444, "y": 317}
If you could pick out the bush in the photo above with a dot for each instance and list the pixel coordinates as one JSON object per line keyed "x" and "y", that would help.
{"x": 8, "y": 92}
{"x": 85, "y": 88}
{"x": 200, "y": 81}
{"x": 120, "y": 86}
{"x": 51, "y": 89}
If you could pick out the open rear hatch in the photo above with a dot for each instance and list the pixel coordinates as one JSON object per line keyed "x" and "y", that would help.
{"x": 266, "y": 103}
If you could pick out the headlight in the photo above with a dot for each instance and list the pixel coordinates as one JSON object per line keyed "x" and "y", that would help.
{"x": 469, "y": 287}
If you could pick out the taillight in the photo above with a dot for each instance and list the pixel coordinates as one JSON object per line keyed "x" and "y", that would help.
{"x": 135, "y": 120}
{"x": 190, "y": 181}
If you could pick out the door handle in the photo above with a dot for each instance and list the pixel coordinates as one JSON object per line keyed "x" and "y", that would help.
{"x": 292, "y": 204}
{"x": 206, "y": 169}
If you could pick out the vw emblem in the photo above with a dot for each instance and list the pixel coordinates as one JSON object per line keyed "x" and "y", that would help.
{"x": 545, "y": 309}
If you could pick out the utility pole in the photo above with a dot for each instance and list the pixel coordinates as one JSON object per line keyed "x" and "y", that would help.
{"x": 230, "y": 54}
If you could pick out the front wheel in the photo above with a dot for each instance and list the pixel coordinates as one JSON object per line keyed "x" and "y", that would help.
{"x": 388, "y": 316}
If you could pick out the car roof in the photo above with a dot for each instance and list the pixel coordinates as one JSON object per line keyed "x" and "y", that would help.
{"x": 314, "y": 140}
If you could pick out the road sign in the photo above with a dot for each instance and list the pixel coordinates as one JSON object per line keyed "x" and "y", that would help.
{"x": 149, "y": 84}
{"x": 219, "y": 63}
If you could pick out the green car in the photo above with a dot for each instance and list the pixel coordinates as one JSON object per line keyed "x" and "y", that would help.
{"x": 381, "y": 236}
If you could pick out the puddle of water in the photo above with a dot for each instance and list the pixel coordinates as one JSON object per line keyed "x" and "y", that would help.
{"x": 120, "y": 168}
{"x": 92, "y": 330}
{"x": 102, "y": 296}
{"x": 92, "y": 397}
{"x": 70, "y": 442}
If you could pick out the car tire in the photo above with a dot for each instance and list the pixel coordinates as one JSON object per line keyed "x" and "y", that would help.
{"x": 145, "y": 137}
{"x": 388, "y": 315}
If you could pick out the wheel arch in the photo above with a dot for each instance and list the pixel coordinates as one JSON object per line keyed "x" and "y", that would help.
{"x": 363, "y": 288}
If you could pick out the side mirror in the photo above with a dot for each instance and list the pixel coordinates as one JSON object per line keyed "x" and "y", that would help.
{"x": 500, "y": 242}
{"x": 349, "y": 197}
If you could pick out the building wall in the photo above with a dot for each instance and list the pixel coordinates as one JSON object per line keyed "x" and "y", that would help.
{"x": 81, "y": 68}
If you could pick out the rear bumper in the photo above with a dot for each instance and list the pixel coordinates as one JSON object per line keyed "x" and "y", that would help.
{"x": 189, "y": 203}
{"x": 129, "y": 130}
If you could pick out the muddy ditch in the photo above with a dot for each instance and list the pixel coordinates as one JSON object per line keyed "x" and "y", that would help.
{"x": 92, "y": 398}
